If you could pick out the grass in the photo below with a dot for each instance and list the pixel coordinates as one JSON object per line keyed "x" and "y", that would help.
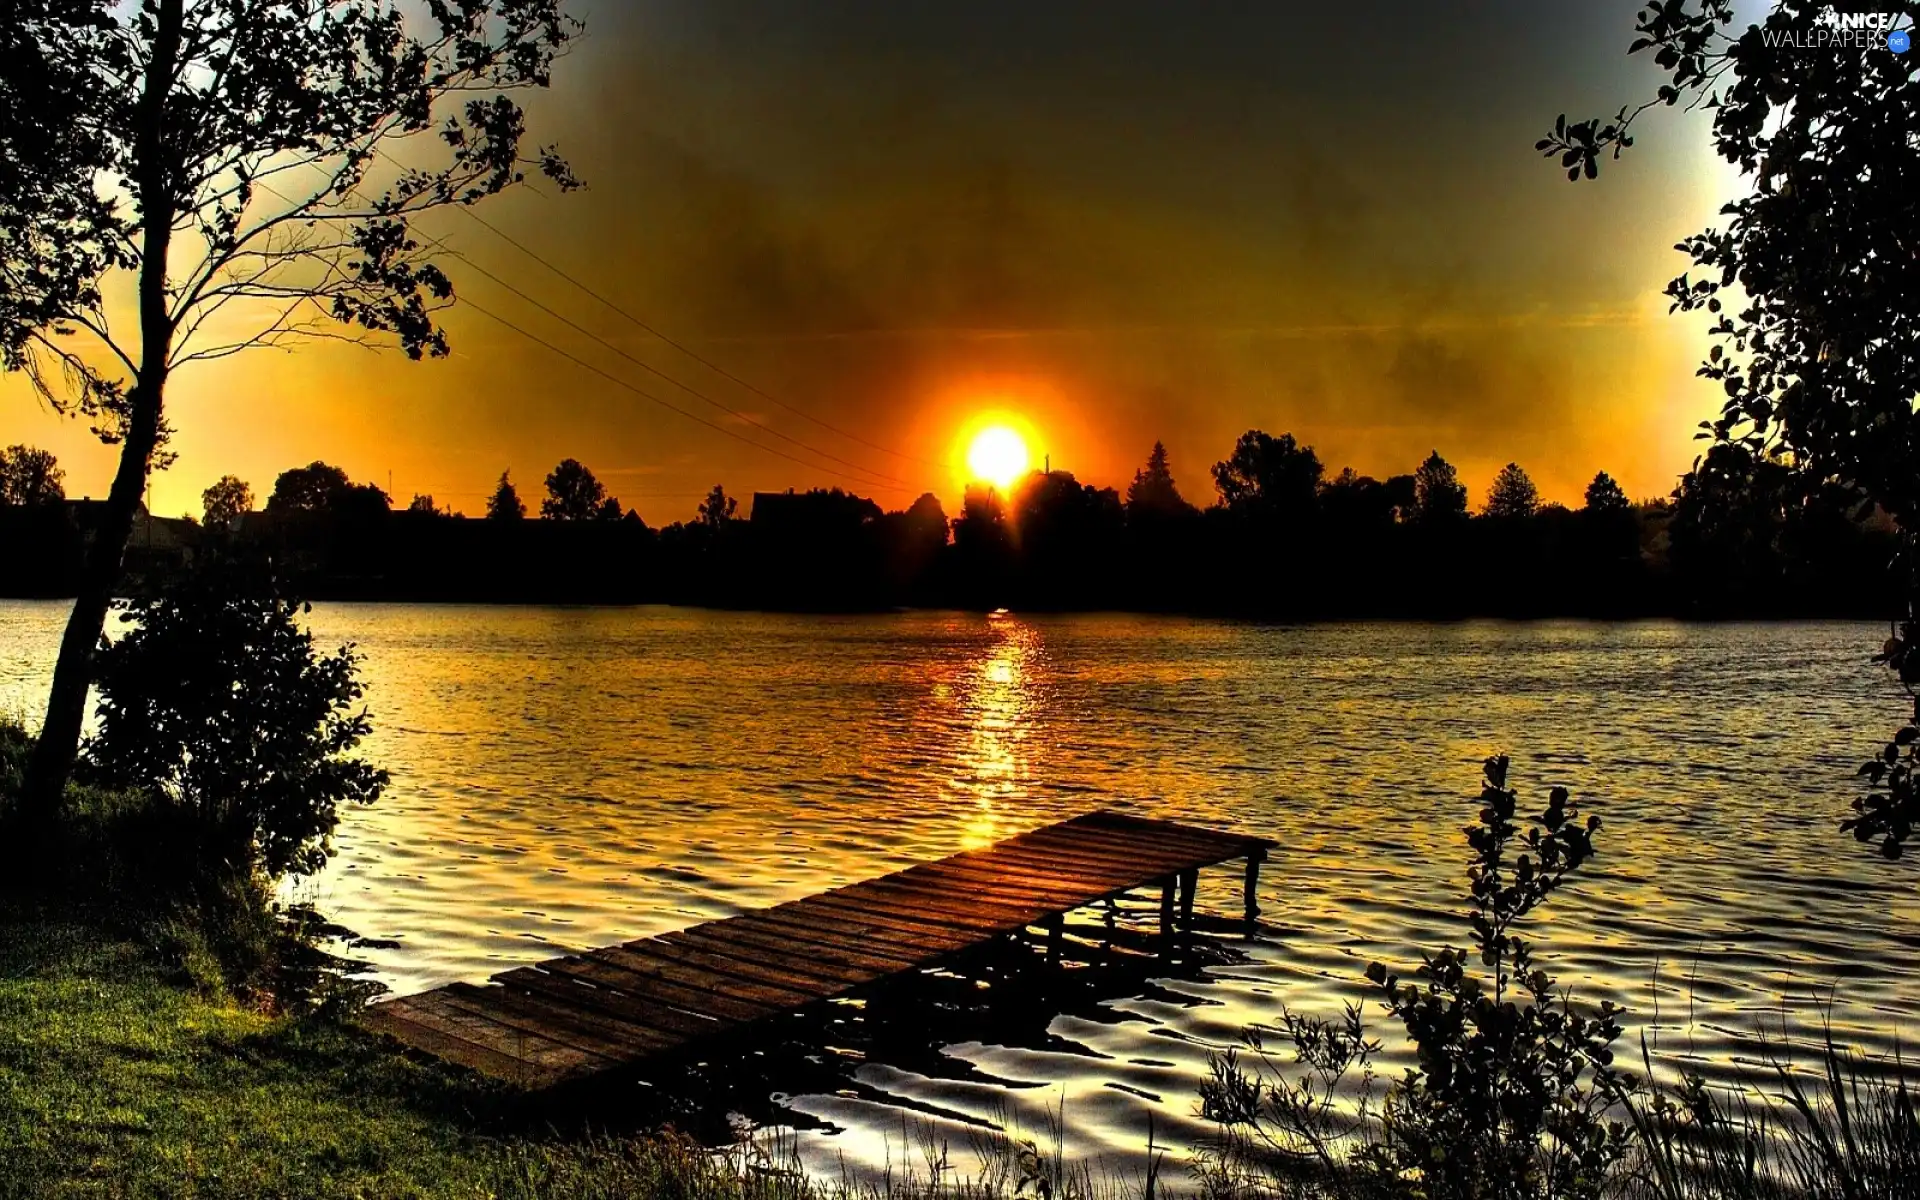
{"x": 117, "y": 1081}
{"x": 122, "y": 1077}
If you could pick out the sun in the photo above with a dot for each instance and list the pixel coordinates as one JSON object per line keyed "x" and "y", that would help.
{"x": 998, "y": 455}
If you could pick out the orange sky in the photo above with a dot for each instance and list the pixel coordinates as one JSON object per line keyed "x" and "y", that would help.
{"x": 1118, "y": 223}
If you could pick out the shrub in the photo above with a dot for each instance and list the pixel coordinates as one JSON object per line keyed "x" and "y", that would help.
{"x": 1513, "y": 1087}
{"x": 217, "y": 704}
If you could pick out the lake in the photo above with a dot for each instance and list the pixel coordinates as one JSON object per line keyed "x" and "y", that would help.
{"x": 574, "y": 777}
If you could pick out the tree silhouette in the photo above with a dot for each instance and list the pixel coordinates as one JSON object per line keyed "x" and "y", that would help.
{"x": 233, "y": 158}
{"x": 505, "y": 503}
{"x": 422, "y": 503}
{"x": 312, "y": 488}
{"x": 573, "y": 494}
{"x": 30, "y": 477}
{"x": 1152, "y": 491}
{"x": 225, "y": 501}
{"x": 1512, "y": 495}
{"x": 926, "y": 522}
{"x": 1606, "y": 496}
{"x": 1354, "y": 502}
{"x": 1438, "y": 494}
{"x": 1269, "y": 476}
{"x": 717, "y": 509}
{"x": 1813, "y": 350}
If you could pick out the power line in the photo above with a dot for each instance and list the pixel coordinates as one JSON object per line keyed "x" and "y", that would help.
{"x": 668, "y": 405}
{"x": 709, "y": 364}
{"x": 692, "y": 391}
{"x": 881, "y": 480}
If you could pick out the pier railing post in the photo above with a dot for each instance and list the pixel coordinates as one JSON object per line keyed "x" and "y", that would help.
{"x": 1251, "y": 892}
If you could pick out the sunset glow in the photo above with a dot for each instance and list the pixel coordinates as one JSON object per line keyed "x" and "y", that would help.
{"x": 998, "y": 455}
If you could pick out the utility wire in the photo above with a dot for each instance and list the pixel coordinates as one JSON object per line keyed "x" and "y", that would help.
{"x": 668, "y": 405}
{"x": 881, "y": 480}
{"x": 691, "y": 391}
{"x": 709, "y": 364}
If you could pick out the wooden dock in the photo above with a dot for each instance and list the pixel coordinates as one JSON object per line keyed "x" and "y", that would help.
{"x": 583, "y": 1015}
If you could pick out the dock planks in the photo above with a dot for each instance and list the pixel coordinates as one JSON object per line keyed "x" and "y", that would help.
{"x": 582, "y": 1015}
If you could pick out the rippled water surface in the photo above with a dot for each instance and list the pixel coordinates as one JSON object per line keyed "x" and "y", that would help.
{"x": 573, "y": 777}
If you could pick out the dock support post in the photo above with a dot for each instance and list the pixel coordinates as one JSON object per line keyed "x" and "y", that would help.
{"x": 1251, "y": 893}
{"x": 1189, "y": 883}
{"x": 1055, "y": 935}
{"x": 1166, "y": 906}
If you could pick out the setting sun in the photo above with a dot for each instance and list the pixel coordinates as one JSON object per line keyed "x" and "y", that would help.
{"x": 998, "y": 455}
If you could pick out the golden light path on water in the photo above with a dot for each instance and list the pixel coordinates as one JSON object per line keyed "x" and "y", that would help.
{"x": 568, "y": 778}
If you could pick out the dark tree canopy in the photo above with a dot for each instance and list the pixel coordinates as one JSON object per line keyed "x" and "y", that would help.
{"x": 927, "y": 521}
{"x": 505, "y": 503}
{"x": 1606, "y": 496}
{"x": 718, "y": 508}
{"x": 322, "y": 487}
{"x": 1267, "y": 476}
{"x": 1512, "y": 494}
{"x": 1811, "y": 280}
{"x": 30, "y": 477}
{"x": 574, "y": 494}
{"x": 225, "y": 501}
{"x": 218, "y": 702}
{"x": 307, "y": 489}
{"x": 1152, "y": 492}
{"x": 1438, "y": 494}
{"x": 259, "y": 160}
{"x": 269, "y": 139}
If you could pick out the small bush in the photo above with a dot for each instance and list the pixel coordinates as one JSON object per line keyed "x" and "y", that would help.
{"x": 1512, "y": 1093}
{"x": 217, "y": 704}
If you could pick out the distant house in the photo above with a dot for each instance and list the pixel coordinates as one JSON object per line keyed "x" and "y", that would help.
{"x": 157, "y": 544}
{"x": 805, "y": 515}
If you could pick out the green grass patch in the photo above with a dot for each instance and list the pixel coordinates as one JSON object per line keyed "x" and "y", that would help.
{"x": 115, "y": 1081}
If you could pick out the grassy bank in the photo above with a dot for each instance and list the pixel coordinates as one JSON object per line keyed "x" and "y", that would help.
{"x": 119, "y": 1079}
{"x": 116, "y": 1080}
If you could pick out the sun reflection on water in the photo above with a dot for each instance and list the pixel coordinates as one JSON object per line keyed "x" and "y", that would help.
{"x": 997, "y": 699}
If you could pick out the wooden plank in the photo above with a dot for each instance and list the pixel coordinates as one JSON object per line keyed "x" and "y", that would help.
{"x": 1063, "y": 884}
{"x": 899, "y": 913}
{"x": 950, "y": 899}
{"x": 782, "y": 932}
{"x": 578, "y": 1015}
{"x": 556, "y": 1024}
{"x": 1140, "y": 829}
{"x": 1092, "y": 842}
{"x": 827, "y": 966}
{"x": 538, "y": 1004}
{"x": 864, "y": 930}
{"x": 1077, "y": 857}
{"x": 380, "y": 1018}
{"x": 958, "y": 897}
{"x": 574, "y": 993}
{"x": 783, "y": 943}
{"x": 940, "y": 908}
{"x": 540, "y": 1053}
{"x": 707, "y": 939}
{"x": 688, "y": 975}
{"x": 1185, "y": 840}
{"x": 660, "y": 990}
{"x": 1065, "y": 865}
{"x": 1162, "y": 827}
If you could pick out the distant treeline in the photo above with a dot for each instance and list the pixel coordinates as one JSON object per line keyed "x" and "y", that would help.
{"x": 1742, "y": 535}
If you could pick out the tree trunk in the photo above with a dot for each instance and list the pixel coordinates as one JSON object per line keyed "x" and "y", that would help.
{"x": 59, "y": 741}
